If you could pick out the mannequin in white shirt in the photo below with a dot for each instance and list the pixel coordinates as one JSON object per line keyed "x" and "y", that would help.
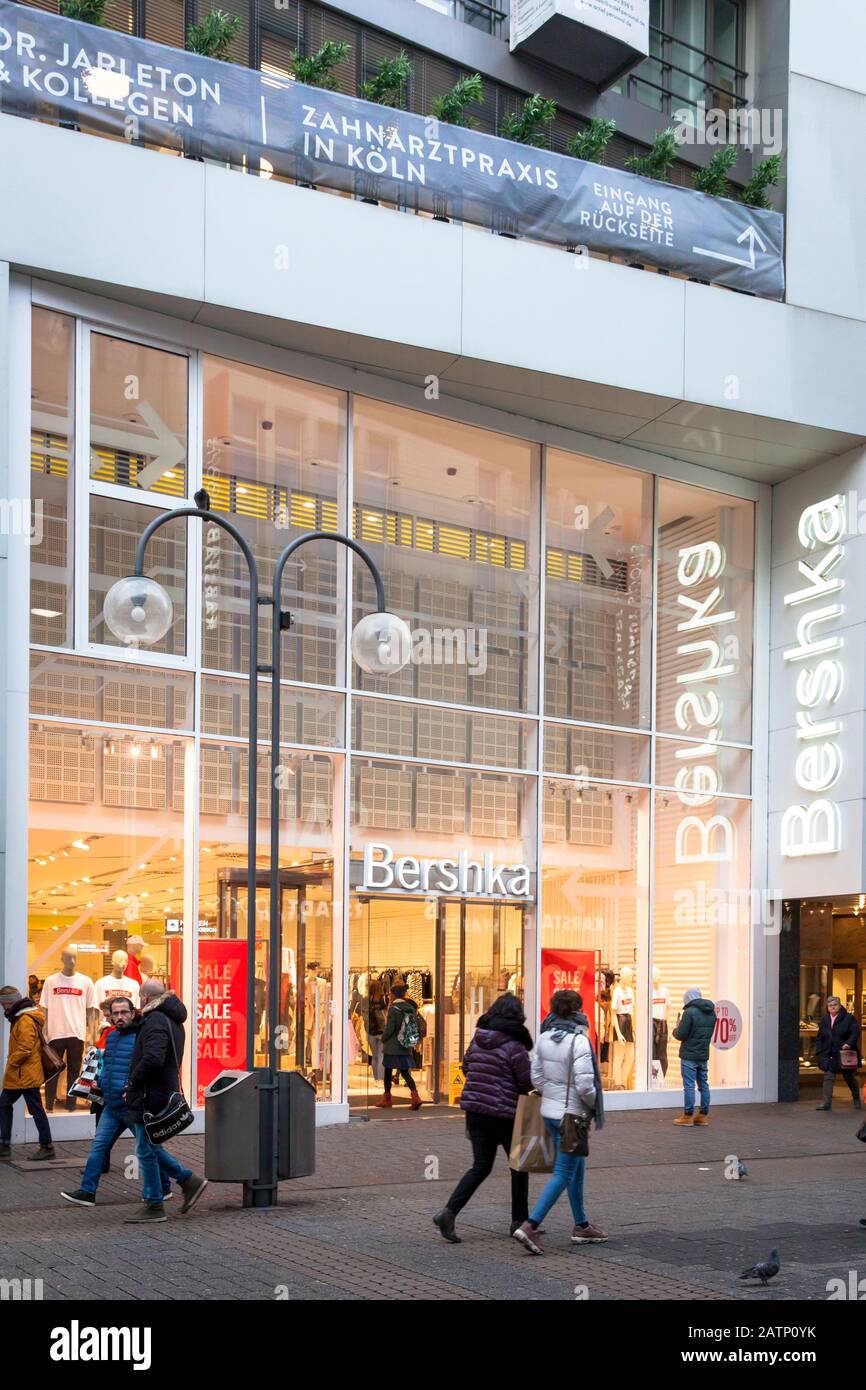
{"x": 116, "y": 985}
{"x": 622, "y": 1017}
{"x": 72, "y": 1016}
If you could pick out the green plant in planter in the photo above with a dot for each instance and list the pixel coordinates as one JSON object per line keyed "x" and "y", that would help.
{"x": 213, "y": 37}
{"x": 318, "y": 69}
{"x": 529, "y": 126}
{"x": 88, "y": 11}
{"x": 658, "y": 158}
{"x": 714, "y": 178}
{"x": 387, "y": 86}
{"x": 452, "y": 106}
{"x": 591, "y": 143}
{"x": 765, "y": 175}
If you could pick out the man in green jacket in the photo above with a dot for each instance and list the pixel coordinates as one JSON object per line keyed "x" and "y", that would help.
{"x": 694, "y": 1032}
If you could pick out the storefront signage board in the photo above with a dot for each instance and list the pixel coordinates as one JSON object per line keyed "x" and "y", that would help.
{"x": 101, "y": 81}
{"x": 464, "y": 876}
{"x": 221, "y": 1007}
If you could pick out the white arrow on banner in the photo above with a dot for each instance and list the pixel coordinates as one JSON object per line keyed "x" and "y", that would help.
{"x": 751, "y": 235}
{"x": 164, "y": 450}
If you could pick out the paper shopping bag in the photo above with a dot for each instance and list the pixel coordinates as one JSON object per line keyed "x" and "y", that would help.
{"x": 532, "y": 1149}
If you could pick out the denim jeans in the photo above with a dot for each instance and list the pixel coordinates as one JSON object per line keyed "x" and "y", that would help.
{"x": 695, "y": 1072}
{"x": 155, "y": 1164}
{"x": 567, "y": 1176}
{"x": 33, "y": 1101}
{"x": 109, "y": 1129}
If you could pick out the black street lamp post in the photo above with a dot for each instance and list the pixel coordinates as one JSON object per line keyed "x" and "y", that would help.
{"x": 139, "y": 611}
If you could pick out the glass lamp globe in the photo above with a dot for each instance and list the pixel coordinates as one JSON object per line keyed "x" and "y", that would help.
{"x": 381, "y": 644}
{"x": 138, "y": 610}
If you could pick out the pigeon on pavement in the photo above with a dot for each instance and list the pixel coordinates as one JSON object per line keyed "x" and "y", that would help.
{"x": 765, "y": 1270}
{"x": 742, "y": 1170}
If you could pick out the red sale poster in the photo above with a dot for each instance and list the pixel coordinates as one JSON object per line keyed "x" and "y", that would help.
{"x": 221, "y": 1008}
{"x": 569, "y": 970}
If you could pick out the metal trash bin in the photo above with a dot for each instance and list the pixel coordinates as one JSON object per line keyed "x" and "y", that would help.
{"x": 237, "y": 1106}
{"x": 297, "y": 1121}
{"x": 232, "y": 1127}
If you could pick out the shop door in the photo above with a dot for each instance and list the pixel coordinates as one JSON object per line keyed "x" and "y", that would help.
{"x": 456, "y": 956}
{"x": 304, "y": 1004}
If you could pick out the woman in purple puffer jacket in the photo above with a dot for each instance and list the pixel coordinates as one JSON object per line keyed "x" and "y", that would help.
{"x": 496, "y": 1066}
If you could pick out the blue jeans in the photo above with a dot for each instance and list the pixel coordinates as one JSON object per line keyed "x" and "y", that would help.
{"x": 567, "y": 1176}
{"x": 155, "y": 1165}
{"x": 109, "y": 1129}
{"x": 695, "y": 1072}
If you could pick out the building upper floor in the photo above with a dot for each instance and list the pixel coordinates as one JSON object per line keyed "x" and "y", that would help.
{"x": 601, "y": 345}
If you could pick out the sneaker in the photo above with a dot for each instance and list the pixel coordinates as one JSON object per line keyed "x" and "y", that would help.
{"x": 588, "y": 1235}
{"x": 539, "y": 1231}
{"x": 528, "y": 1237}
{"x": 444, "y": 1223}
{"x": 5, "y": 1153}
{"x": 80, "y": 1197}
{"x": 702, "y": 1119}
{"x": 192, "y": 1190}
{"x": 822, "y": 1107}
{"x": 684, "y": 1120}
{"x": 43, "y": 1154}
{"x": 148, "y": 1214}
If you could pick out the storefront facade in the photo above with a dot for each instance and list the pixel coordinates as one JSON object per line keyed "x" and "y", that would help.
{"x": 556, "y": 789}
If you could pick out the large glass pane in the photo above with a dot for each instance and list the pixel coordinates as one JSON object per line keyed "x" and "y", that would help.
{"x": 429, "y": 731}
{"x": 309, "y": 860}
{"x": 306, "y": 716}
{"x": 706, "y": 563}
{"x": 598, "y": 591}
{"x": 138, "y": 416}
{"x": 69, "y": 687}
{"x": 701, "y": 770}
{"x": 702, "y": 915}
{"x": 275, "y": 462}
{"x": 51, "y": 475}
{"x": 592, "y": 753}
{"x": 108, "y": 873}
{"x": 595, "y": 923}
{"x": 449, "y": 513}
{"x": 115, "y": 528}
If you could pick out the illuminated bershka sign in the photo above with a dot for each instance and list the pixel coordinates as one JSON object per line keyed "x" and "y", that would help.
{"x": 464, "y": 876}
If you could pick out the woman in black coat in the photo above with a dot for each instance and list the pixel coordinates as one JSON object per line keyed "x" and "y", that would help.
{"x": 838, "y": 1029}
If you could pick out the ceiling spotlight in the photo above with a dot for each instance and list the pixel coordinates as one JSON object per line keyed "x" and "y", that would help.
{"x": 80, "y": 844}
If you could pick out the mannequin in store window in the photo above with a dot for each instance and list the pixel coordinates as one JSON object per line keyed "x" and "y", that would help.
{"x": 116, "y": 984}
{"x": 661, "y": 1004}
{"x": 134, "y": 947}
{"x": 622, "y": 1017}
{"x": 71, "y": 1012}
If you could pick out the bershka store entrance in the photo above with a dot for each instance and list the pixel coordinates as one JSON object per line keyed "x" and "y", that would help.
{"x": 455, "y": 955}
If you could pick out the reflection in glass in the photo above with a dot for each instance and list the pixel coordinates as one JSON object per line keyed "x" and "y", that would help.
{"x": 51, "y": 429}
{"x": 598, "y": 591}
{"x": 138, "y": 416}
{"x": 448, "y": 512}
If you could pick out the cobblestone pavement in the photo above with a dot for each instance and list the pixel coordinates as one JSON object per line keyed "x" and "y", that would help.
{"x": 360, "y": 1227}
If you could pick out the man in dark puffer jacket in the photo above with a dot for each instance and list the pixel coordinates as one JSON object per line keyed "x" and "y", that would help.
{"x": 154, "y": 1076}
{"x": 496, "y": 1066}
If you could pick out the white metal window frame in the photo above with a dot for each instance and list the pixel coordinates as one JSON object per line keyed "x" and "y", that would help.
{"x": 179, "y": 336}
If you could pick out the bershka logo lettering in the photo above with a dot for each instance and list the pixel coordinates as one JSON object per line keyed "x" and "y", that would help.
{"x": 77, "y": 1343}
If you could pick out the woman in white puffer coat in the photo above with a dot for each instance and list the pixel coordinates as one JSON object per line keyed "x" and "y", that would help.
{"x": 565, "y": 1072}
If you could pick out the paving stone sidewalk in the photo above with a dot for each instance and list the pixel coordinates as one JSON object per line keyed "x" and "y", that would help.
{"x": 360, "y": 1227}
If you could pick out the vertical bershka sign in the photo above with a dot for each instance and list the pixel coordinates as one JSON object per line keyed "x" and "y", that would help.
{"x": 103, "y": 82}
